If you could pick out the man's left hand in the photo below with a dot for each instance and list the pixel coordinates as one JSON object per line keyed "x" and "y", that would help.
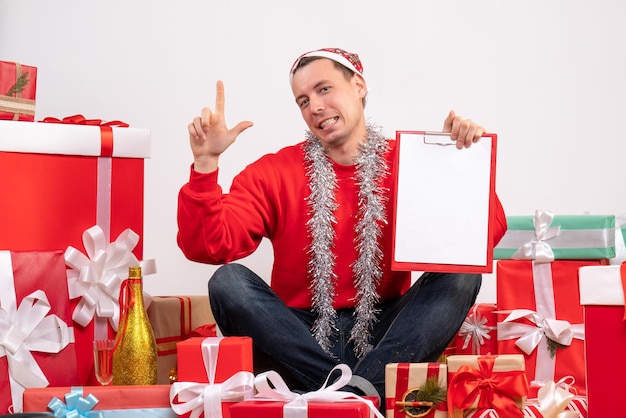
{"x": 464, "y": 131}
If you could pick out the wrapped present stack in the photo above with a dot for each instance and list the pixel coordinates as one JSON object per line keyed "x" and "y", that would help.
{"x": 539, "y": 314}
{"x": 72, "y": 193}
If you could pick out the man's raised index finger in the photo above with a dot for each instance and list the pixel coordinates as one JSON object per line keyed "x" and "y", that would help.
{"x": 219, "y": 97}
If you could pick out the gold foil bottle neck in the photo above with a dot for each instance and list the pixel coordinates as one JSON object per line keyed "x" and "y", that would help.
{"x": 134, "y": 272}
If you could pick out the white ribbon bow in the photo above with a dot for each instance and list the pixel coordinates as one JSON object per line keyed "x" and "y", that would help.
{"x": 208, "y": 397}
{"x": 537, "y": 249}
{"x": 529, "y": 336}
{"x": 97, "y": 276}
{"x": 474, "y": 329}
{"x": 553, "y": 401}
{"x": 27, "y": 329}
{"x": 297, "y": 404}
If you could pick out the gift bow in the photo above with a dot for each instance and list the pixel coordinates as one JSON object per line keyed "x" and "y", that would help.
{"x": 75, "y": 405}
{"x": 474, "y": 329}
{"x": 97, "y": 276}
{"x": 494, "y": 390}
{"x": 537, "y": 249}
{"x": 207, "y": 398}
{"x": 553, "y": 401}
{"x": 529, "y": 336}
{"x": 297, "y": 403}
{"x": 30, "y": 328}
{"x": 81, "y": 120}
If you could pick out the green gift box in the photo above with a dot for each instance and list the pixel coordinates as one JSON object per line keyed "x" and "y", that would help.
{"x": 546, "y": 237}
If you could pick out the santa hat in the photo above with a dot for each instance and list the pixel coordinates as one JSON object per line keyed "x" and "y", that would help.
{"x": 347, "y": 59}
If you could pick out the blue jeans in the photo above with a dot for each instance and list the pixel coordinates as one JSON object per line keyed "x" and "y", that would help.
{"x": 417, "y": 327}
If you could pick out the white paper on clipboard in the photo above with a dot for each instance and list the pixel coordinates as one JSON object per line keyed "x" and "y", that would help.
{"x": 443, "y": 204}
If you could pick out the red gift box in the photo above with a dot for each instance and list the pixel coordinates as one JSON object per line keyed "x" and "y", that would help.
{"x": 489, "y": 381}
{"x": 544, "y": 299}
{"x": 602, "y": 292}
{"x": 478, "y": 332}
{"x": 224, "y": 356}
{"x": 59, "y": 180}
{"x": 114, "y": 401}
{"x": 274, "y": 409}
{"x": 18, "y": 87}
{"x": 222, "y": 363}
{"x": 37, "y": 347}
{"x": 275, "y": 400}
{"x": 402, "y": 379}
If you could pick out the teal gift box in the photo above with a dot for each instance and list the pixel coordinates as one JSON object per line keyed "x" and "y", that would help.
{"x": 546, "y": 237}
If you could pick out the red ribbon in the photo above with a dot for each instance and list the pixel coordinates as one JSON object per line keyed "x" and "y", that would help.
{"x": 127, "y": 301}
{"x": 494, "y": 390}
{"x": 106, "y": 131}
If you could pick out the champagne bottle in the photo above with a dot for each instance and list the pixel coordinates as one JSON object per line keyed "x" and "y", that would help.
{"x": 135, "y": 354}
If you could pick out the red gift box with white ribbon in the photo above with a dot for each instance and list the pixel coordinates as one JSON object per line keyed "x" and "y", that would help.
{"x": 213, "y": 374}
{"x": 543, "y": 318}
{"x": 276, "y": 400}
{"x": 36, "y": 337}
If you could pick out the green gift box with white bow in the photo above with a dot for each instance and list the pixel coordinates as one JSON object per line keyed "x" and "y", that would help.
{"x": 546, "y": 237}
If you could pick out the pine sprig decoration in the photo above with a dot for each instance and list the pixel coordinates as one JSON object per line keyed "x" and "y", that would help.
{"x": 19, "y": 85}
{"x": 553, "y": 346}
{"x": 432, "y": 392}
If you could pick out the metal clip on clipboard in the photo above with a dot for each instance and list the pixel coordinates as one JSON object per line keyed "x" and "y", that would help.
{"x": 433, "y": 141}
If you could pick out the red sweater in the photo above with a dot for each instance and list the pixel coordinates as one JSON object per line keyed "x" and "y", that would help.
{"x": 269, "y": 199}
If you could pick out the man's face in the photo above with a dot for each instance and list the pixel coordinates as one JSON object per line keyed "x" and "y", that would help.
{"x": 330, "y": 105}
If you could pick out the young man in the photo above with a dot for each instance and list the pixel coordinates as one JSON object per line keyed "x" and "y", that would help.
{"x": 325, "y": 204}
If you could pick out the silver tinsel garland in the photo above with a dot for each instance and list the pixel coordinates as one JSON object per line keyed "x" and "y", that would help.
{"x": 371, "y": 168}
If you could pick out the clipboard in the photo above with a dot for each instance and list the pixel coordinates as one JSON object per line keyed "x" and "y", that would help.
{"x": 444, "y": 203}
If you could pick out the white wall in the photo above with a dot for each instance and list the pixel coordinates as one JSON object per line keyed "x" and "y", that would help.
{"x": 547, "y": 76}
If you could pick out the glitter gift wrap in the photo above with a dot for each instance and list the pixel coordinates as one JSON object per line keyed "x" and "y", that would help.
{"x": 403, "y": 380}
{"x": 36, "y": 338}
{"x": 173, "y": 318}
{"x": 560, "y": 237}
{"x": 101, "y": 401}
{"x": 602, "y": 291}
{"x": 545, "y": 323}
{"x": 496, "y": 382}
{"x": 18, "y": 88}
{"x": 59, "y": 180}
{"x": 478, "y": 331}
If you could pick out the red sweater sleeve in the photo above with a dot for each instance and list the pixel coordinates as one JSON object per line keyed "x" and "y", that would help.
{"x": 214, "y": 229}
